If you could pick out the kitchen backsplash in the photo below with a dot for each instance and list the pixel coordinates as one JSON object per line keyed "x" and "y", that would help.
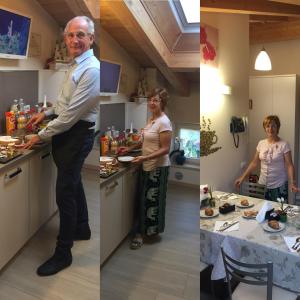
{"x": 16, "y": 85}
{"x": 112, "y": 115}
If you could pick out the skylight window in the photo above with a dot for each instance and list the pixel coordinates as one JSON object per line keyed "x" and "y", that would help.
{"x": 187, "y": 14}
{"x": 191, "y": 9}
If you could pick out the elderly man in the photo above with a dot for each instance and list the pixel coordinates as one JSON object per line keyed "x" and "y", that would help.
{"x": 72, "y": 133}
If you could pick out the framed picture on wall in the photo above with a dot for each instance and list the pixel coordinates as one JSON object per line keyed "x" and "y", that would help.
{"x": 14, "y": 34}
{"x": 208, "y": 45}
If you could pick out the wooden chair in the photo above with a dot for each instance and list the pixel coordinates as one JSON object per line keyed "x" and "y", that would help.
{"x": 251, "y": 189}
{"x": 259, "y": 275}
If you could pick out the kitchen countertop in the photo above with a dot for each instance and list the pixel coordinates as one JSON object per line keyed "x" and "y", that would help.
{"x": 26, "y": 155}
{"x": 123, "y": 168}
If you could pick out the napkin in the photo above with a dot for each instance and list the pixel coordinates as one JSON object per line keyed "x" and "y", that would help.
{"x": 219, "y": 224}
{"x": 262, "y": 213}
{"x": 292, "y": 243}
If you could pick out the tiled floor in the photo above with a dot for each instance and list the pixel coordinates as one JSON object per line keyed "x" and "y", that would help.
{"x": 78, "y": 282}
{"x": 166, "y": 270}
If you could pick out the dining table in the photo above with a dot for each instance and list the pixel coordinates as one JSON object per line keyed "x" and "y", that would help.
{"x": 251, "y": 241}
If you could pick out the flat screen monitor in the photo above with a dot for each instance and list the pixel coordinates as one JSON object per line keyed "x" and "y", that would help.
{"x": 110, "y": 73}
{"x": 14, "y": 34}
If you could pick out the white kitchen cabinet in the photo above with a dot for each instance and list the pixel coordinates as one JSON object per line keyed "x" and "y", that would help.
{"x": 275, "y": 95}
{"x": 14, "y": 229}
{"x": 111, "y": 197}
{"x": 130, "y": 188}
{"x": 41, "y": 177}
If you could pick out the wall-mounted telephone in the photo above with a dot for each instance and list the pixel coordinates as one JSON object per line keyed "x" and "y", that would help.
{"x": 236, "y": 125}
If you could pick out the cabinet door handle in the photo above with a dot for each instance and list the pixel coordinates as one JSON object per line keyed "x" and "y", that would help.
{"x": 111, "y": 187}
{"x": 12, "y": 175}
{"x": 45, "y": 155}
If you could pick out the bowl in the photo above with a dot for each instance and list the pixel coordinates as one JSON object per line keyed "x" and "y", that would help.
{"x": 7, "y": 139}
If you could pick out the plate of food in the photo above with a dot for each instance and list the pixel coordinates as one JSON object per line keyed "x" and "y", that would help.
{"x": 7, "y": 139}
{"x": 244, "y": 203}
{"x": 208, "y": 213}
{"x": 273, "y": 226}
{"x": 125, "y": 158}
{"x": 250, "y": 214}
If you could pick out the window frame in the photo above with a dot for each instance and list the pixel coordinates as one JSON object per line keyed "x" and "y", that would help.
{"x": 179, "y": 14}
{"x": 191, "y": 126}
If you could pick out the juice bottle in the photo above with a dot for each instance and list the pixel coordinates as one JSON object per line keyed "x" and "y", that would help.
{"x": 104, "y": 145}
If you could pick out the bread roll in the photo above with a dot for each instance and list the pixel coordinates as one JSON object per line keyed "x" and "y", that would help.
{"x": 274, "y": 224}
{"x": 209, "y": 211}
{"x": 244, "y": 202}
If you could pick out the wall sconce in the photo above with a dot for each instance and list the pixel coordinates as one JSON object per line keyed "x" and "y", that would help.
{"x": 226, "y": 89}
{"x": 263, "y": 61}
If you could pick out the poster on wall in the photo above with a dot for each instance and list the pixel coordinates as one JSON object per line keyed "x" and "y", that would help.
{"x": 208, "y": 45}
{"x": 14, "y": 34}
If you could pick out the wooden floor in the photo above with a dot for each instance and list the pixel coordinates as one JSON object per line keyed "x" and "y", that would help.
{"x": 78, "y": 282}
{"x": 167, "y": 270}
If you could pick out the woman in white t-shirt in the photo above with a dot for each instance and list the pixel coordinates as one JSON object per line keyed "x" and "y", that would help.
{"x": 157, "y": 136}
{"x": 276, "y": 165}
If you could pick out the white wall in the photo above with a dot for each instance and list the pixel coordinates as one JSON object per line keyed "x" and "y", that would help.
{"x": 284, "y": 56}
{"x": 185, "y": 109}
{"x": 42, "y": 24}
{"x": 111, "y": 50}
{"x": 221, "y": 168}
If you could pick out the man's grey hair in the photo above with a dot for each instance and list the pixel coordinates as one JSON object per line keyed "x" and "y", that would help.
{"x": 90, "y": 23}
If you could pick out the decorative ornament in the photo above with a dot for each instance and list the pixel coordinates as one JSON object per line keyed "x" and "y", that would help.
{"x": 208, "y": 138}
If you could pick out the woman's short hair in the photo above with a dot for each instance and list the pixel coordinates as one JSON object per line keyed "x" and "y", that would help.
{"x": 163, "y": 95}
{"x": 270, "y": 119}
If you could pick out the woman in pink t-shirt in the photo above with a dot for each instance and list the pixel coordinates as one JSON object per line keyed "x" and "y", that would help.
{"x": 156, "y": 143}
{"x": 276, "y": 165}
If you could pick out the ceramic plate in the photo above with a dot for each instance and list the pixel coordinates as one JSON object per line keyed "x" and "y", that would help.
{"x": 243, "y": 206}
{"x": 266, "y": 227}
{"x": 106, "y": 159}
{"x": 203, "y": 215}
{"x": 248, "y": 217}
{"x": 125, "y": 158}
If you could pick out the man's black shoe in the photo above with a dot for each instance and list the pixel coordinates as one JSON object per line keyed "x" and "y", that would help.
{"x": 61, "y": 259}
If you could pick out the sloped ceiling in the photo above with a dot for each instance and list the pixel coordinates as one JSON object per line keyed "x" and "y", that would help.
{"x": 149, "y": 32}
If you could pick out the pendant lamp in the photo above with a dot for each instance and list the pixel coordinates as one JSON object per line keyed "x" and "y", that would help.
{"x": 263, "y": 62}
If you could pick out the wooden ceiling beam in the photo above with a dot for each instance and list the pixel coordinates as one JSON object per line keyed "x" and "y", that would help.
{"x": 258, "y": 7}
{"x": 276, "y": 32}
{"x": 267, "y": 19}
{"x": 138, "y": 23}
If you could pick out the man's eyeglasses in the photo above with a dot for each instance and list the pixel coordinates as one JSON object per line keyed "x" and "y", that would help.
{"x": 79, "y": 34}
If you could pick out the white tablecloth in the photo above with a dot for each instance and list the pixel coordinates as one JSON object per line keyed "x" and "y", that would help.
{"x": 251, "y": 244}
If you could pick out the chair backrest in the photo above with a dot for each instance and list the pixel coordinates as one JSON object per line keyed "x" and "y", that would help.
{"x": 253, "y": 189}
{"x": 262, "y": 274}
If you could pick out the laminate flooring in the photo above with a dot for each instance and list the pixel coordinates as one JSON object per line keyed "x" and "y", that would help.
{"x": 80, "y": 281}
{"x": 165, "y": 270}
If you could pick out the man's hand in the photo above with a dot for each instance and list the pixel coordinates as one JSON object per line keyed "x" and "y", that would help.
{"x": 35, "y": 139}
{"x": 36, "y": 119}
